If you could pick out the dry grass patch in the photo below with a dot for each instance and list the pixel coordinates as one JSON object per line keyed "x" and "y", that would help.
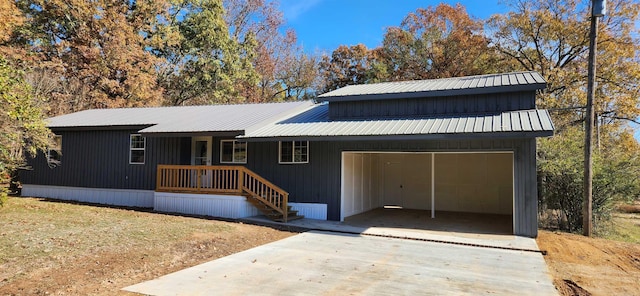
{"x": 61, "y": 248}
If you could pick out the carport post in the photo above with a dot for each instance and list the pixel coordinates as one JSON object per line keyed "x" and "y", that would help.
{"x": 433, "y": 185}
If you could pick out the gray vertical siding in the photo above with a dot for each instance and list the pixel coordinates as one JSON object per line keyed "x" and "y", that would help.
{"x": 525, "y": 189}
{"x": 435, "y": 105}
{"x": 319, "y": 181}
{"x": 100, "y": 159}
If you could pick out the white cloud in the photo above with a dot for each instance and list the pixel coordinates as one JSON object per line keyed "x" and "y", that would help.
{"x": 293, "y": 9}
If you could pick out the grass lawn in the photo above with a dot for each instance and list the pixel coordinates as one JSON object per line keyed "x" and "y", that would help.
{"x": 64, "y": 248}
{"x": 61, "y": 248}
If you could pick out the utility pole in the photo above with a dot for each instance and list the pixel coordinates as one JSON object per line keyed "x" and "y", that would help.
{"x": 598, "y": 9}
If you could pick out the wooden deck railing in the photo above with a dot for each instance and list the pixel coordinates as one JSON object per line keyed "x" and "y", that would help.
{"x": 222, "y": 180}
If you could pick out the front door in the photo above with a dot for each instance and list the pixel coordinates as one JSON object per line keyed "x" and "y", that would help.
{"x": 201, "y": 155}
{"x": 201, "y": 151}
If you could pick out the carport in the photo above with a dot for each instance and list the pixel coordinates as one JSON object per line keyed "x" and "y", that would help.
{"x": 434, "y": 188}
{"x": 458, "y": 145}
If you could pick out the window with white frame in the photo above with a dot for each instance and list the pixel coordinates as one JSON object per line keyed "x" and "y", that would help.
{"x": 294, "y": 152}
{"x": 137, "y": 144}
{"x": 232, "y": 151}
{"x": 54, "y": 153}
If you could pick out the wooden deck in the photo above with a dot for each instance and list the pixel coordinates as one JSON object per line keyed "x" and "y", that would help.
{"x": 237, "y": 180}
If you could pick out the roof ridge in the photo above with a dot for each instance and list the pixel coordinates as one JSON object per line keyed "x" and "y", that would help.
{"x": 444, "y": 78}
{"x": 188, "y": 106}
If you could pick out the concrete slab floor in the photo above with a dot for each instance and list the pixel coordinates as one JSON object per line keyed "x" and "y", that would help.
{"x": 460, "y": 228}
{"x": 458, "y": 222}
{"x": 325, "y": 263}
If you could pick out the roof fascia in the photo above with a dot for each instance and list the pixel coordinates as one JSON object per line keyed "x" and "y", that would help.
{"x": 98, "y": 128}
{"x": 230, "y": 134}
{"x": 431, "y": 137}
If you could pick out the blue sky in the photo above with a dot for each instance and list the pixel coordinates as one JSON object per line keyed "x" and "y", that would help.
{"x": 323, "y": 25}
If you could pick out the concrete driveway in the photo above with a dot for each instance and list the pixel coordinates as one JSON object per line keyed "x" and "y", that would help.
{"x": 328, "y": 263}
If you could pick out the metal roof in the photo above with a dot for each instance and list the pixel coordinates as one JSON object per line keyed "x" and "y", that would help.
{"x": 210, "y": 118}
{"x": 315, "y": 122}
{"x": 469, "y": 85}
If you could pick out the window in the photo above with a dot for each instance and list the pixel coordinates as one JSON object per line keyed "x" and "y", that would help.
{"x": 232, "y": 151}
{"x": 294, "y": 152}
{"x": 136, "y": 149}
{"x": 54, "y": 153}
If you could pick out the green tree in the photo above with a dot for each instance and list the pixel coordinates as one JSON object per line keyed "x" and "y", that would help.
{"x": 23, "y": 127}
{"x": 560, "y": 169}
{"x": 203, "y": 64}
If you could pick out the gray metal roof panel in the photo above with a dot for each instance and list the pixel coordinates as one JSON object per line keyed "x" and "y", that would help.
{"x": 211, "y": 118}
{"x": 315, "y": 122}
{"x": 534, "y": 119}
{"x": 480, "y": 84}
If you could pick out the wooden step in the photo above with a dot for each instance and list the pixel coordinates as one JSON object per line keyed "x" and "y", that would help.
{"x": 271, "y": 213}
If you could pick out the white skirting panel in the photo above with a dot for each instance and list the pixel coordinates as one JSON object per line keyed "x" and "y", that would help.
{"x": 118, "y": 197}
{"x": 225, "y": 206}
{"x": 310, "y": 210}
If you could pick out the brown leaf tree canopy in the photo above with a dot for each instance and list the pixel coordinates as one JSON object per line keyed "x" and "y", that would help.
{"x": 436, "y": 42}
{"x": 105, "y": 53}
{"x": 347, "y": 65}
{"x": 552, "y": 37}
{"x": 432, "y": 42}
{"x": 11, "y": 17}
{"x": 88, "y": 54}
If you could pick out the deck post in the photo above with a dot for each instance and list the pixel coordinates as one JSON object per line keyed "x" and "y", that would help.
{"x": 240, "y": 179}
{"x": 158, "y": 177}
{"x": 285, "y": 213}
{"x": 198, "y": 179}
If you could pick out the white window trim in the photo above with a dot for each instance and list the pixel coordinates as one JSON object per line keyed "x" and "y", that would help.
{"x": 292, "y": 153}
{"x": 59, "y": 150}
{"x": 234, "y": 151}
{"x": 143, "y": 149}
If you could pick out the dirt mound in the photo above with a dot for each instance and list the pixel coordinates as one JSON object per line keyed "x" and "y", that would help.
{"x": 569, "y": 287}
{"x": 591, "y": 266}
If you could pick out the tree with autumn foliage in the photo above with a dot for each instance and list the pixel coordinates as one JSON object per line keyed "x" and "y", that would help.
{"x": 22, "y": 125}
{"x": 347, "y": 65}
{"x": 552, "y": 38}
{"x": 432, "y": 42}
{"x": 436, "y": 42}
{"x": 87, "y": 54}
{"x": 285, "y": 71}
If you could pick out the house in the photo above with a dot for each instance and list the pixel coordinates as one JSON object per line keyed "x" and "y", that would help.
{"x": 465, "y": 144}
